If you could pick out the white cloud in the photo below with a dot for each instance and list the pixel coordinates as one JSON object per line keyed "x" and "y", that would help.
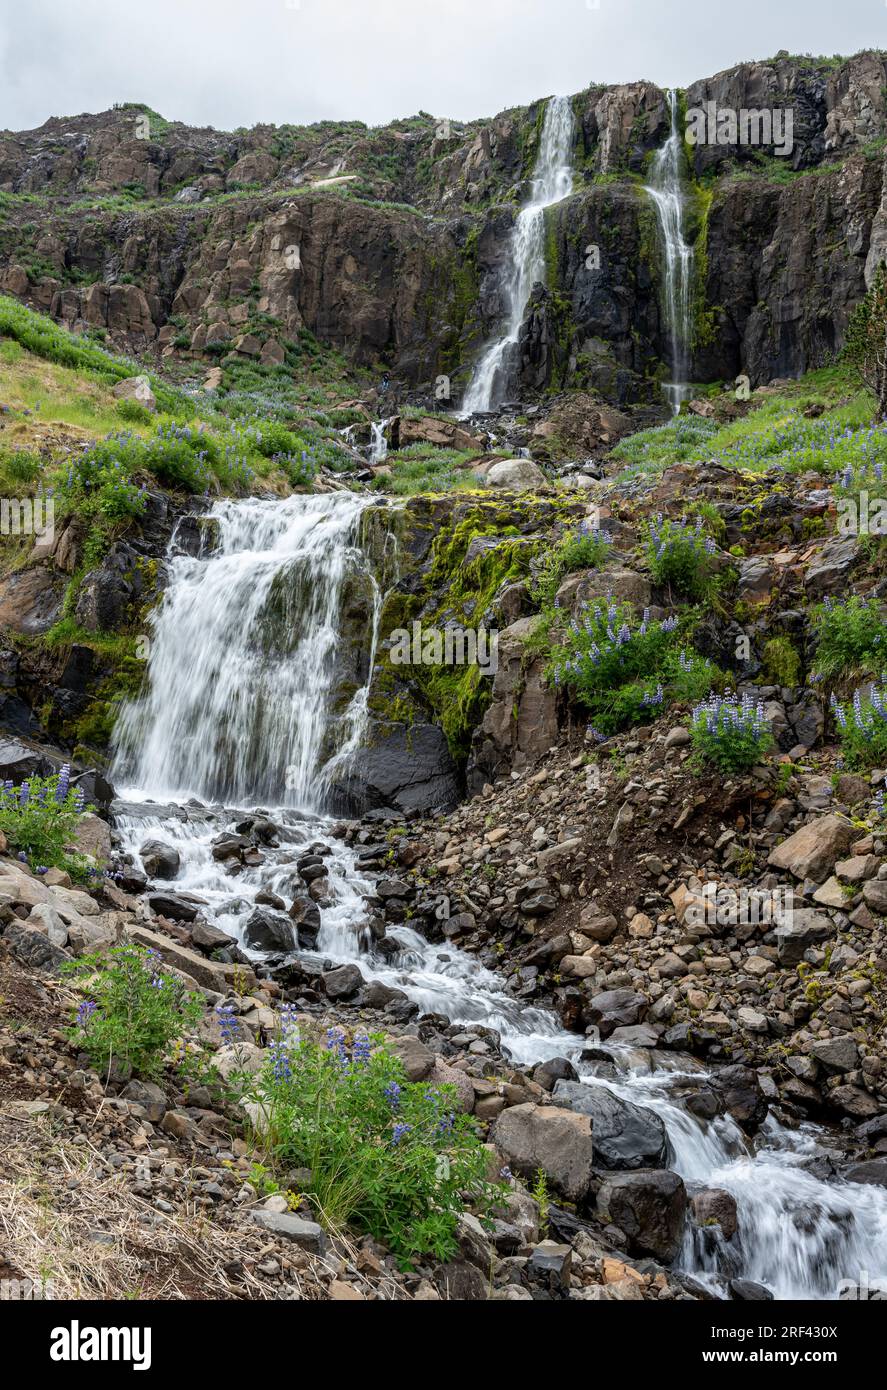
{"x": 229, "y": 63}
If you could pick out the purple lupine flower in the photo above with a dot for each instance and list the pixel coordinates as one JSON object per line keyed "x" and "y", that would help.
{"x": 399, "y": 1131}
{"x": 229, "y": 1023}
{"x": 85, "y": 1011}
{"x": 392, "y": 1094}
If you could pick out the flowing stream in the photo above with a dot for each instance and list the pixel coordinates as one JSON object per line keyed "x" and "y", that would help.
{"x": 239, "y": 713}
{"x": 667, "y": 193}
{"x": 552, "y": 182}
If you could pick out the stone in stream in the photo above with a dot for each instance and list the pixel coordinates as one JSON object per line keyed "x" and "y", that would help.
{"x": 625, "y": 1135}
{"x": 160, "y": 860}
{"x": 616, "y": 1008}
{"x": 305, "y": 915}
{"x": 650, "y": 1207}
{"x": 343, "y": 982}
{"x": 174, "y": 906}
{"x": 269, "y": 931}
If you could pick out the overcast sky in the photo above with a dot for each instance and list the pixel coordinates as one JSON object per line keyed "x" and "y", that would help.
{"x": 232, "y": 63}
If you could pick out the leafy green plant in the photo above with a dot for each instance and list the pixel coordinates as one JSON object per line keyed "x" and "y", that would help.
{"x": 134, "y": 1011}
{"x": 730, "y": 733}
{"x": 540, "y": 1196}
{"x": 862, "y": 728}
{"x": 387, "y": 1156}
{"x": 850, "y": 636}
{"x": 680, "y": 555}
{"x": 39, "y": 819}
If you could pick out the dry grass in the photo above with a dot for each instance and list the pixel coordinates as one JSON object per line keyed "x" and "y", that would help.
{"x": 93, "y": 1241}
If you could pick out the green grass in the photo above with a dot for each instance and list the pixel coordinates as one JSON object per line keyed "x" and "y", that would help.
{"x": 424, "y": 468}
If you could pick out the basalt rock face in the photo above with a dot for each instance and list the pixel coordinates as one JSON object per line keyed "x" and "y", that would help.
{"x": 390, "y": 244}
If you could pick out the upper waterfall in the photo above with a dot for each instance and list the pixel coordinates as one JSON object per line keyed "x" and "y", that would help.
{"x": 244, "y": 656}
{"x": 667, "y": 194}
{"x": 552, "y": 182}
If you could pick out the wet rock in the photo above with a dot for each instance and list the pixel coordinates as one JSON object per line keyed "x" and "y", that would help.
{"x": 171, "y": 905}
{"x": 626, "y": 1136}
{"x": 343, "y": 982}
{"x": 160, "y": 860}
{"x": 615, "y": 1008}
{"x": 269, "y": 931}
{"x": 649, "y": 1207}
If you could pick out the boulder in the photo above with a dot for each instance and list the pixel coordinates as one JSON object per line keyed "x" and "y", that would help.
{"x": 813, "y": 851}
{"x": 343, "y": 982}
{"x": 625, "y": 1135}
{"x": 138, "y": 389}
{"x": 516, "y": 474}
{"x": 159, "y": 860}
{"x": 804, "y": 928}
{"x": 615, "y": 1008}
{"x": 558, "y": 1141}
{"x": 269, "y": 931}
{"x": 649, "y": 1207}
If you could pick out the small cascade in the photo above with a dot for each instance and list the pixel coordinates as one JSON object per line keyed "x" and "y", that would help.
{"x": 378, "y": 441}
{"x": 552, "y": 182}
{"x": 667, "y": 193}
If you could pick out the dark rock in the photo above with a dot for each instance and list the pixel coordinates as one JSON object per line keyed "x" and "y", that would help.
{"x": 650, "y": 1207}
{"x": 625, "y": 1135}
{"x": 343, "y": 982}
{"x": 269, "y": 931}
{"x": 160, "y": 860}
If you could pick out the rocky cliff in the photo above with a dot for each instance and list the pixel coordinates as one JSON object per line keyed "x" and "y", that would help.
{"x": 388, "y": 243}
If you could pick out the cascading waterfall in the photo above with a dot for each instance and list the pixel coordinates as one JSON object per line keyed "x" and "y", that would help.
{"x": 243, "y": 657}
{"x": 378, "y": 441}
{"x": 667, "y": 193}
{"x": 239, "y": 707}
{"x": 552, "y": 182}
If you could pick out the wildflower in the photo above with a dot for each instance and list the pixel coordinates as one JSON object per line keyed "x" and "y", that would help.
{"x": 360, "y": 1052}
{"x": 85, "y": 1012}
{"x": 399, "y": 1131}
{"x": 392, "y": 1094}
{"x": 229, "y": 1023}
{"x": 280, "y": 1061}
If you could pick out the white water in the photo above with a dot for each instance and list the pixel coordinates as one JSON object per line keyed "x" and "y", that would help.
{"x": 552, "y": 182}
{"x": 378, "y": 442}
{"x": 667, "y": 193}
{"x": 243, "y": 654}
{"x": 240, "y": 690}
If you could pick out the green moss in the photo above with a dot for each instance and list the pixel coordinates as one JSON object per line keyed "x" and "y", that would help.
{"x": 782, "y": 663}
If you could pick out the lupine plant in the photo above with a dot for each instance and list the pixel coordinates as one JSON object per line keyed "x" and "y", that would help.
{"x": 135, "y": 1010}
{"x": 862, "y": 728}
{"x": 39, "y": 819}
{"x": 730, "y": 733}
{"x": 681, "y": 555}
{"x": 850, "y": 636}
{"x": 387, "y": 1156}
{"x": 623, "y": 670}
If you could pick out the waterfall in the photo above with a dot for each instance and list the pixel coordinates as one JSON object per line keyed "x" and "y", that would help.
{"x": 667, "y": 194}
{"x": 552, "y": 182}
{"x": 378, "y": 442}
{"x": 244, "y": 654}
{"x": 245, "y": 660}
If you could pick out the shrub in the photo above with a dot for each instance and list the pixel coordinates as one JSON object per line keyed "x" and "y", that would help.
{"x": 605, "y": 647}
{"x": 585, "y": 548}
{"x": 680, "y": 555}
{"x": 133, "y": 412}
{"x": 390, "y": 1157}
{"x": 98, "y": 482}
{"x": 39, "y": 819}
{"x": 135, "y": 1010}
{"x": 862, "y": 728}
{"x": 865, "y": 342}
{"x": 731, "y": 734}
{"x": 850, "y": 637}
